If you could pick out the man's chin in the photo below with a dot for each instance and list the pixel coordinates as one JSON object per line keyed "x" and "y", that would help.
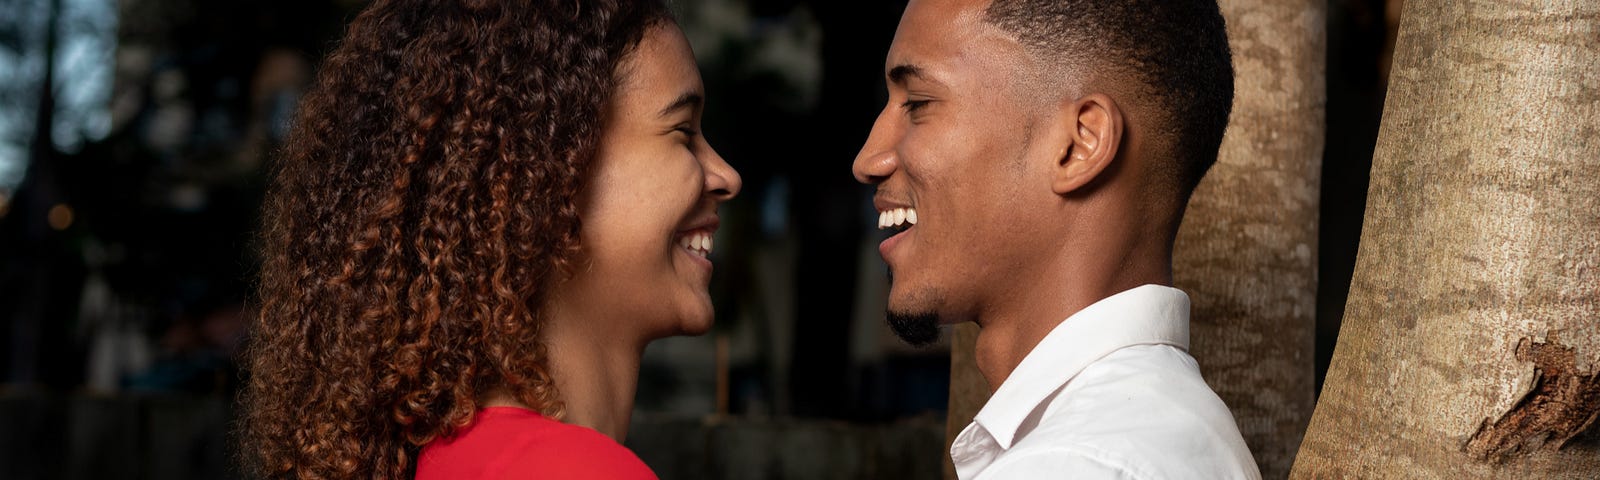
{"x": 916, "y": 329}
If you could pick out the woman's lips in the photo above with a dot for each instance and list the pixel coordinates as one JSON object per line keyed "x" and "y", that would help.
{"x": 696, "y": 237}
{"x": 697, "y": 241}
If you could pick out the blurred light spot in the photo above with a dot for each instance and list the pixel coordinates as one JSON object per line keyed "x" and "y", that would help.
{"x": 169, "y": 85}
{"x": 187, "y": 197}
{"x": 60, "y": 216}
{"x": 775, "y": 208}
{"x": 170, "y": 126}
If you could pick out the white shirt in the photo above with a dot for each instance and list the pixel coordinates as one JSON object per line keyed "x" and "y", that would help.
{"x": 1111, "y": 392}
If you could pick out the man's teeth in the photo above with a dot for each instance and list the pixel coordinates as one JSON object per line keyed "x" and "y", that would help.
{"x": 698, "y": 243}
{"x": 896, "y": 217}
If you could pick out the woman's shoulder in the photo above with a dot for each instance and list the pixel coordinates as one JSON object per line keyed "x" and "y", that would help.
{"x": 508, "y": 442}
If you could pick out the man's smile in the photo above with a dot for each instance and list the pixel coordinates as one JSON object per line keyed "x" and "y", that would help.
{"x": 895, "y": 218}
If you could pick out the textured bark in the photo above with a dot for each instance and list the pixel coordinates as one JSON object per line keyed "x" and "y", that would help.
{"x": 1471, "y": 339}
{"x": 1247, "y": 251}
{"x": 968, "y": 390}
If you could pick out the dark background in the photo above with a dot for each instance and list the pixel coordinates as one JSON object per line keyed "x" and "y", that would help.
{"x": 131, "y": 170}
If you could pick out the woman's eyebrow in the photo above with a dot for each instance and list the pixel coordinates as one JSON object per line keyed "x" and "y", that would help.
{"x": 686, "y": 100}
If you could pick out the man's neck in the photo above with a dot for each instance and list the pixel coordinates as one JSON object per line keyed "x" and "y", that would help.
{"x": 1008, "y": 334}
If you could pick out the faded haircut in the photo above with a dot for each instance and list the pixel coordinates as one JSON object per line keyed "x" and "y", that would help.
{"x": 1176, "y": 51}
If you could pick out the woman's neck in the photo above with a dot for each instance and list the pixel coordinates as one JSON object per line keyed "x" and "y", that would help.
{"x": 596, "y": 376}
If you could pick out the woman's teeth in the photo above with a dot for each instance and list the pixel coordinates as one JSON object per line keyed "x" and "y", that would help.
{"x": 896, "y": 217}
{"x": 698, "y": 243}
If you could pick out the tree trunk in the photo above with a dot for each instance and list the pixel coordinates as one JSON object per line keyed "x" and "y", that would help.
{"x": 1246, "y": 253}
{"x": 1470, "y": 342}
{"x": 968, "y": 390}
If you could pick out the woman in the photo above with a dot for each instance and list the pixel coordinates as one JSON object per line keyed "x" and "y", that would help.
{"x": 485, "y": 211}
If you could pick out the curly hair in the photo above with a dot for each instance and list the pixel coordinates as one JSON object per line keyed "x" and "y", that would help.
{"x": 423, "y": 200}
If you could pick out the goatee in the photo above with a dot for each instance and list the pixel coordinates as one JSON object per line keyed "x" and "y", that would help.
{"x": 916, "y": 329}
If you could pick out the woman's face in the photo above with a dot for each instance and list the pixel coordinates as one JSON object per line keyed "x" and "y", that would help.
{"x": 650, "y": 207}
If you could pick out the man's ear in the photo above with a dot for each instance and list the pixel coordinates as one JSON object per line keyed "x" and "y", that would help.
{"x": 1095, "y": 137}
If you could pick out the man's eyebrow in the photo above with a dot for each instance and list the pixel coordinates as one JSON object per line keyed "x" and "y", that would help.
{"x": 900, "y": 73}
{"x": 686, "y": 100}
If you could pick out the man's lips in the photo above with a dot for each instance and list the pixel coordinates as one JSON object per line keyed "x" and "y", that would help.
{"x": 885, "y": 202}
{"x": 895, "y": 215}
{"x": 896, "y": 218}
{"x": 894, "y": 212}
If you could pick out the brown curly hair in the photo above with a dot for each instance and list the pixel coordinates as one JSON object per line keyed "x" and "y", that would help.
{"x": 424, "y": 199}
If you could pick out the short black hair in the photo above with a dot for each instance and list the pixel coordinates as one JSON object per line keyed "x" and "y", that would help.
{"x": 1176, "y": 49}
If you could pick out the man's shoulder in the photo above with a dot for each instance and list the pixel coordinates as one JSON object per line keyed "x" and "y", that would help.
{"x": 1141, "y": 378}
{"x": 1159, "y": 383}
{"x": 1083, "y": 460}
{"x": 1143, "y": 411}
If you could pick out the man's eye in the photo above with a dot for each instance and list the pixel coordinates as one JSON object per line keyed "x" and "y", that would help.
{"x": 687, "y": 131}
{"x": 914, "y": 105}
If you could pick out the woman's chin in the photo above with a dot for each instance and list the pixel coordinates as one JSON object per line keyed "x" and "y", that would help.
{"x": 685, "y": 321}
{"x": 695, "y": 326}
{"x": 695, "y": 317}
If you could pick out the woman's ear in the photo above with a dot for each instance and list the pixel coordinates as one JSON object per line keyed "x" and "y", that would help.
{"x": 1096, "y": 135}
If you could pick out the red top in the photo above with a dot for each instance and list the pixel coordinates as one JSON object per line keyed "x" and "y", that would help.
{"x": 515, "y": 443}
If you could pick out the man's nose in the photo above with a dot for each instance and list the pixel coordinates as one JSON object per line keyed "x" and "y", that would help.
{"x": 877, "y": 159}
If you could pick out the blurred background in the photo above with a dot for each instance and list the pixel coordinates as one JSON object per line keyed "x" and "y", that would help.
{"x": 133, "y": 136}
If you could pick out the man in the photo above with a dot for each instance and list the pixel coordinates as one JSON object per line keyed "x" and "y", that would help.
{"x": 1035, "y": 158}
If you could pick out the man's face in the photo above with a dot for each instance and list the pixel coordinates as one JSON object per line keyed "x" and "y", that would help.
{"x": 949, "y": 151}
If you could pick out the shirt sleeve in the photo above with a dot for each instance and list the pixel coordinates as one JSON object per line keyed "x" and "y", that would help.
{"x": 1062, "y": 463}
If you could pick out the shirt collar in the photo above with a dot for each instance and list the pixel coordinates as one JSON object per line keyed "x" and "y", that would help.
{"x": 1145, "y": 315}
